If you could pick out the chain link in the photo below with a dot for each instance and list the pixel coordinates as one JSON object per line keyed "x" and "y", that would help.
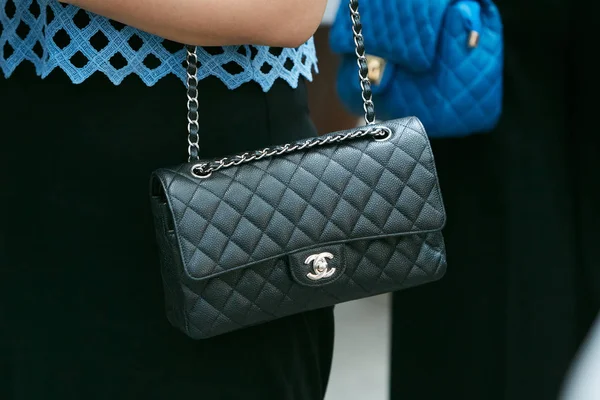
{"x": 204, "y": 170}
{"x": 361, "y": 60}
{"x": 192, "y": 103}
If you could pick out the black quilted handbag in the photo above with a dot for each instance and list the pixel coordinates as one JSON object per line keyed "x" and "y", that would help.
{"x": 266, "y": 234}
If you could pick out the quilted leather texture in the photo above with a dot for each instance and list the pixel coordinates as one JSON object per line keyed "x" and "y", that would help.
{"x": 431, "y": 72}
{"x": 403, "y": 31}
{"x": 235, "y": 246}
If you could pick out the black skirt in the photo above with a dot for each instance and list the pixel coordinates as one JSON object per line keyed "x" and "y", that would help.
{"x": 81, "y": 306}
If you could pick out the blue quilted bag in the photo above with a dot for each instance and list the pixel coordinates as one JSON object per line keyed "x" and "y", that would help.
{"x": 439, "y": 60}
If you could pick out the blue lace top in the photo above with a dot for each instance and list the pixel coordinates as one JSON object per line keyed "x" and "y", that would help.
{"x": 54, "y": 35}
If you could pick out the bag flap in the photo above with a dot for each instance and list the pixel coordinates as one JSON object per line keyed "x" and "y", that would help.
{"x": 404, "y": 32}
{"x": 262, "y": 210}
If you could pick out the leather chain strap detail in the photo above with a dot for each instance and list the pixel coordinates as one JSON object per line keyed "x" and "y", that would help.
{"x": 192, "y": 103}
{"x": 204, "y": 170}
{"x": 363, "y": 68}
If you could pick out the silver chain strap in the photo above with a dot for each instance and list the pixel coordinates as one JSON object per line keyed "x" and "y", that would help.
{"x": 361, "y": 60}
{"x": 192, "y": 103}
{"x": 204, "y": 170}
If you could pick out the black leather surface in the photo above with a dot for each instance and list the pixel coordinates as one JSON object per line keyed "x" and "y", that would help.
{"x": 235, "y": 246}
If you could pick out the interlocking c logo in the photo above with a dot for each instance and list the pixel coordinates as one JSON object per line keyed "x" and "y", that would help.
{"x": 320, "y": 268}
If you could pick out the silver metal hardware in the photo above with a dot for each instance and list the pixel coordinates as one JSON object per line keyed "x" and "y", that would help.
{"x": 198, "y": 172}
{"x": 319, "y": 266}
{"x": 385, "y": 137}
{"x": 204, "y": 170}
{"x": 361, "y": 60}
{"x": 192, "y": 103}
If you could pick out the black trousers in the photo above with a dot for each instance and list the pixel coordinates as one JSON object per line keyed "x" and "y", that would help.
{"x": 81, "y": 307}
